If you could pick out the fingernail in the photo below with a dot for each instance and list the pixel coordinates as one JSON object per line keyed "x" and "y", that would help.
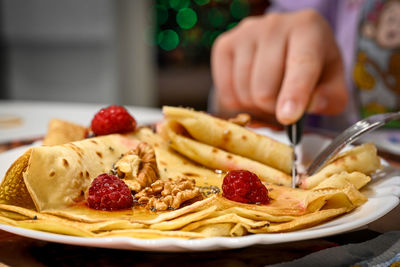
{"x": 290, "y": 109}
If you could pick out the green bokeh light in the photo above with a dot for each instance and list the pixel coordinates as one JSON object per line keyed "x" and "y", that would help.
{"x": 239, "y": 9}
{"x": 179, "y": 4}
{"x": 186, "y": 18}
{"x": 202, "y": 2}
{"x": 168, "y": 40}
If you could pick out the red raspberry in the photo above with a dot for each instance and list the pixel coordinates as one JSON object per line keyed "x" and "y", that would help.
{"x": 245, "y": 187}
{"x": 108, "y": 192}
{"x": 113, "y": 119}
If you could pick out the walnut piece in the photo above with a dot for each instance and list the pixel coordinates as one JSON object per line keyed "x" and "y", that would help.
{"x": 138, "y": 167}
{"x": 241, "y": 119}
{"x": 168, "y": 194}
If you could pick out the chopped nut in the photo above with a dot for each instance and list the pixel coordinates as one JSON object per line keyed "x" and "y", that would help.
{"x": 168, "y": 194}
{"x": 128, "y": 165}
{"x": 241, "y": 119}
{"x": 138, "y": 167}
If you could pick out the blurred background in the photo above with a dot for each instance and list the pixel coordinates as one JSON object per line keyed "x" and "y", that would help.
{"x": 131, "y": 52}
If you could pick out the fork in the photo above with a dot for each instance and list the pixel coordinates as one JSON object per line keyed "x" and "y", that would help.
{"x": 350, "y": 135}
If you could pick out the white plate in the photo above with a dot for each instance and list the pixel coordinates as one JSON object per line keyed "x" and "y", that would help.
{"x": 34, "y": 116}
{"x": 383, "y": 193}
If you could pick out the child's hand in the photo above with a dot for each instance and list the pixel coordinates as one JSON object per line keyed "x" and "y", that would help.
{"x": 280, "y": 63}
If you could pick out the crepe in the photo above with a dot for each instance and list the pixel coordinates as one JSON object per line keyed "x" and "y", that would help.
{"x": 230, "y": 137}
{"x": 363, "y": 158}
{"x": 219, "y": 159}
{"x": 61, "y": 132}
{"x": 57, "y": 176}
{"x": 213, "y": 216}
{"x": 46, "y": 188}
{"x": 222, "y": 145}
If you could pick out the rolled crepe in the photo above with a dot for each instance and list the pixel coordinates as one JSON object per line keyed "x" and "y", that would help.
{"x": 48, "y": 177}
{"x": 219, "y": 159}
{"x": 231, "y": 137}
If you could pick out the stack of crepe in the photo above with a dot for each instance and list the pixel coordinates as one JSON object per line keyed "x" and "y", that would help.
{"x": 46, "y": 187}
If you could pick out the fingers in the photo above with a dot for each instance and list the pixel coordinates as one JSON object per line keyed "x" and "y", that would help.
{"x": 253, "y": 55}
{"x": 242, "y": 68}
{"x": 222, "y": 72}
{"x": 282, "y": 63}
{"x": 304, "y": 62}
{"x": 267, "y": 73}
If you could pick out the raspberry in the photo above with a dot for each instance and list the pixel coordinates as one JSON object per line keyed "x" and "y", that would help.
{"x": 245, "y": 187}
{"x": 108, "y": 192}
{"x": 113, "y": 119}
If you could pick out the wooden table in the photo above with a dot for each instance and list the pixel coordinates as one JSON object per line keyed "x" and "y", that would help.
{"x": 20, "y": 251}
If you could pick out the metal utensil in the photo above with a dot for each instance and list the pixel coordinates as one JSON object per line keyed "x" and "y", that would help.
{"x": 295, "y": 132}
{"x": 350, "y": 135}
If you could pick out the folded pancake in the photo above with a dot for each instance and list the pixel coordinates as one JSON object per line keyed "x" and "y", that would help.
{"x": 219, "y": 159}
{"x": 230, "y": 137}
{"x": 60, "y": 132}
{"x": 51, "y": 177}
{"x": 290, "y": 209}
{"x": 363, "y": 159}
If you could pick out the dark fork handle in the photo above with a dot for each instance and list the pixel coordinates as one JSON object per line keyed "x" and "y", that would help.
{"x": 295, "y": 131}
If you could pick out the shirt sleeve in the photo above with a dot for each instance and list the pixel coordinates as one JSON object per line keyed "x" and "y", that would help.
{"x": 326, "y": 8}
